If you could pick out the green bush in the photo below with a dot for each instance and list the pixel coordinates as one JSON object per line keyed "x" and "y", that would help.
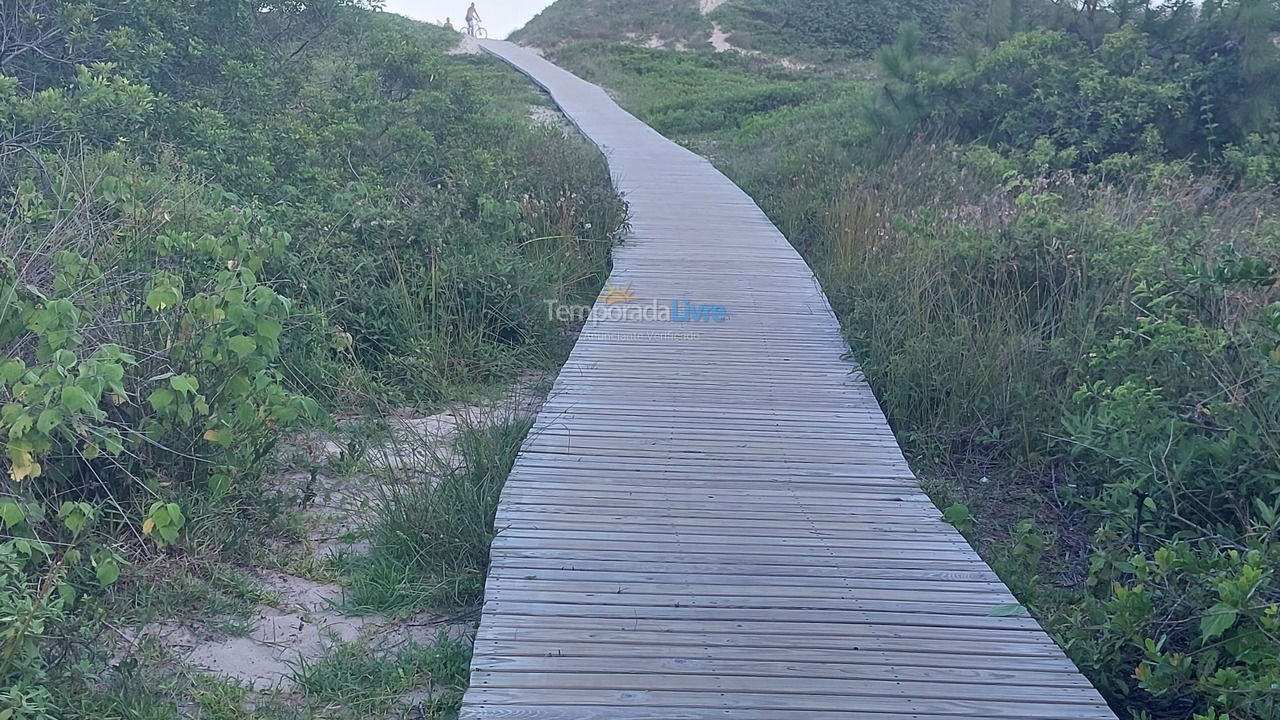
{"x": 220, "y": 220}
{"x": 1158, "y": 88}
{"x": 186, "y": 301}
{"x": 1119, "y": 342}
{"x": 821, "y": 29}
{"x": 1047, "y": 86}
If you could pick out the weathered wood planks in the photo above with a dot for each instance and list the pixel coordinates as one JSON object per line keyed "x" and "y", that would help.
{"x": 713, "y": 519}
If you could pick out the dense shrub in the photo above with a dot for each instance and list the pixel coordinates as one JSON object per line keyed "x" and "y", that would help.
{"x": 1119, "y": 343}
{"x": 220, "y": 218}
{"x": 1160, "y": 88}
{"x": 839, "y": 28}
{"x": 1068, "y": 306}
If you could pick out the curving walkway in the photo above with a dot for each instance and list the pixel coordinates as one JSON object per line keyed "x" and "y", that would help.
{"x": 711, "y": 517}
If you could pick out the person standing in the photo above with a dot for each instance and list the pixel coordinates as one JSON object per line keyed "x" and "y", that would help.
{"x": 473, "y": 19}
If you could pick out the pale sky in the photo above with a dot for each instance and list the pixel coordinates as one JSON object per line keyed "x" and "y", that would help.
{"x": 500, "y": 16}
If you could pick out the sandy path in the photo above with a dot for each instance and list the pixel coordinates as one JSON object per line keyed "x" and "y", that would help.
{"x": 466, "y": 46}
{"x": 720, "y": 39}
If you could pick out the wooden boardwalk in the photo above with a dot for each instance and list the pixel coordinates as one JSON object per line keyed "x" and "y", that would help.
{"x": 713, "y": 519}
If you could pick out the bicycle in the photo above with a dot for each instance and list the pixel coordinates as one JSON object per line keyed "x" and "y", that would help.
{"x": 478, "y": 32}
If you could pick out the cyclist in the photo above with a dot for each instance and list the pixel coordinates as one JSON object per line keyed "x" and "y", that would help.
{"x": 473, "y": 19}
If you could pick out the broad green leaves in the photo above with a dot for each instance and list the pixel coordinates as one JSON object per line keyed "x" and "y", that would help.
{"x": 1008, "y": 610}
{"x": 242, "y": 345}
{"x": 1219, "y": 619}
{"x": 61, "y": 403}
{"x": 184, "y": 384}
{"x": 11, "y": 513}
{"x": 163, "y": 522}
{"x": 161, "y": 398}
{"x": 107, "y": 571}
{"x": 12, "y": 370}
{"x": 49, "y": 419}
{"x": 22, "y": 463}
{"x": 269, "y": 328}
{"x": 165, "y": 293}
{"x": 959, "y": 516}
{"x": 75, "y": 515}
{"x": 75, "y": 399}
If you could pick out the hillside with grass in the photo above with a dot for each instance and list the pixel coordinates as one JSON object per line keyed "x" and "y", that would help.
{"x": 826, "y": 29}
{"x": 808, "y": 30}
{"x": 253, "y": 257}
{"x": 675, "y": 23}
{"x": 1054, "y": 248}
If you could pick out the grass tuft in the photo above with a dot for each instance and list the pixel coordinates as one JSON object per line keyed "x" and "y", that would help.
{"x": 433, "y": 523}
{"x": 425, "y": 681}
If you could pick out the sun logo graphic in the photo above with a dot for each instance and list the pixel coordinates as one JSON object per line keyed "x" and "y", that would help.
{"x": 616, "y": 295}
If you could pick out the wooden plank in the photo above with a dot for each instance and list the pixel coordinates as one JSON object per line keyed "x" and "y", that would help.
{"x": 618, "y": 536}
{"x": 842, "y": 677}
{"x": 714, "y": 677}
{"x": 759, "y": 574}
{"x": 767, "y": 466}
{"x": 818, "y": 662}
{"x": 854, "y": 493}
{"x": 606, "y": 488}
{"x": 748, "y": 587}
{"x": 666, "y": 712}
{"x": 991, "y": 709}
{"x": 866, "y": 518}
{"x": 798, "y": 619}
{"x": 682, "y": 546}
{"x": 614, "y": 712}
{"x": 715, "y": 520}
{"x": 850, "y": 529}
{"x": 795, "y": 505}
{"x": 640, "y": 600}
{"x": 959, "y": 649}
{"x": 836, "y": 563}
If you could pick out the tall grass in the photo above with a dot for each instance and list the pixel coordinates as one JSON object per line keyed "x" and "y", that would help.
{"x": 1102, "y": 355}
{"x": 349, "y": 680}
{"x": 974, "y": 296}
{"x": 950, "y": 328}
{"x": 432, "y": 524}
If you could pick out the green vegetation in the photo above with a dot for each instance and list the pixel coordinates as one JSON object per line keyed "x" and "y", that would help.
{"x": 824, "y": 30}
{"x": 434, "y": 526}
{"x": 694, "y": 96}
{"x": 1056, "y": 259}
{"x": 821, "y": 31}
{"x": 669, "y": 22}
{"x": 222, "y": 220}
{"x": 346, "y": 682}
{"x": 1101, "y": 350}
{"x": 352, "y": 682}
{"x": 786, "y": 136}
